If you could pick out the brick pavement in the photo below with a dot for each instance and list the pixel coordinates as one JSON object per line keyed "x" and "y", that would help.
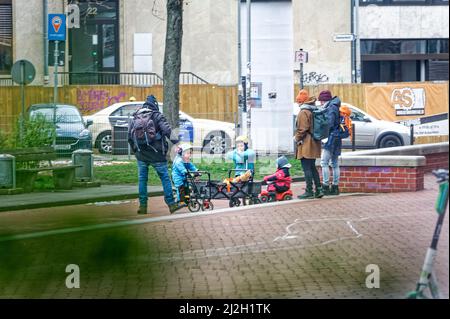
{"x": 313, "y": 249}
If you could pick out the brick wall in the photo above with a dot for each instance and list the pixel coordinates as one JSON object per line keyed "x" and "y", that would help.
{"x": 436, "y": 161}
{"x": 364, "y": 179}
{"x": 370, "y": 179}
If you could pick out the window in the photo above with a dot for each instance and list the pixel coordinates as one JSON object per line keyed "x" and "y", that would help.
{"x": 6, "y": 59}
{"x": 126, "y": 110}
{"x": 357, "y": 116}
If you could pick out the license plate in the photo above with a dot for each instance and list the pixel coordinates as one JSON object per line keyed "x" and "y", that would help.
{"x": 62, "y": 147}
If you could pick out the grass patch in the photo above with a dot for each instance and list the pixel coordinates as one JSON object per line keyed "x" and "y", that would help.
{"x": 127, "y": 173}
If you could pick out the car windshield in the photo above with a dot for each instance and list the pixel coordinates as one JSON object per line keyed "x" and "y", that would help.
{"x": 64, "y": 114}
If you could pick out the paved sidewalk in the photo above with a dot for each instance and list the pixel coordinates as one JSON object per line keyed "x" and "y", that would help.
{"x": 77, "y": 196}
{"x": 72, "y": 197}
{"x": 299, "y": 249}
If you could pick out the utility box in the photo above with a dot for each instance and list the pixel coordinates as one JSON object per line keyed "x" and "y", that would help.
{"x": 7, "y": 171}
{"x": 85, "y": 173}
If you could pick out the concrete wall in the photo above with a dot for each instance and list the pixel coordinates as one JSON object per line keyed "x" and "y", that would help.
{"x": 315, "y": 23}
{"x": 28, "y": 32}
{"x": 209, "y": 37}
{"x": 402, "y": 22}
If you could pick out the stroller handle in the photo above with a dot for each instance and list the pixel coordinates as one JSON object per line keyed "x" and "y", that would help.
{"x": 198, "y": 173}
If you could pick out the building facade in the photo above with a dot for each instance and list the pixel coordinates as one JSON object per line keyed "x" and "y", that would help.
{"x": 401, "y": 40}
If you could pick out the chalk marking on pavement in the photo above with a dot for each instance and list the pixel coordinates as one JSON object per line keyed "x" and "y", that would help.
{"x": 267, "y": 246}
{"x": 70, "y": 230}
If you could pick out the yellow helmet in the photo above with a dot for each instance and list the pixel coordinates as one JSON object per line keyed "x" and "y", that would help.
{"x": 242, "y": 139}
{"x": 132, "y": 99}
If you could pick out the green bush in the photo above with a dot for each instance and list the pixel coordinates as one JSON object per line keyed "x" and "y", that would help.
{"x": 36, "y": 132}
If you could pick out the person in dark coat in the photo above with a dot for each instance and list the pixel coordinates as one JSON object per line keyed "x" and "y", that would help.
{"x": 154, "y": 155}
{"x": 332, "y": 145}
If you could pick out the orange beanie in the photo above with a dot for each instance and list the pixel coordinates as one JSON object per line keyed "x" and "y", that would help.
{"x": 302, "y": 97}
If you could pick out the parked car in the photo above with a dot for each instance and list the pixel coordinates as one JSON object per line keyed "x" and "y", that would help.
{"x": 371, "y": 132}
{"x": 212, "y": 137}
{"x": 71, "y": 131}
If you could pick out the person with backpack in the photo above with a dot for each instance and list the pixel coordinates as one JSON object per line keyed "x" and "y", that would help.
{"x": 147, "y": 136}
{"x": 308, "y": 148}
{"x": 332, "y": 144}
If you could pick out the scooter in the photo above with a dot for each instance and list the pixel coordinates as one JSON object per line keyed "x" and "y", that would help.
{"x": 427, "y": 276}
{"x": 267, "y": 197}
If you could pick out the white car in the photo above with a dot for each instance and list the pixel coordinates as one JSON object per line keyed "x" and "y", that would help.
{"x": 211, "y": 137}
{"x": 371, "y": 132}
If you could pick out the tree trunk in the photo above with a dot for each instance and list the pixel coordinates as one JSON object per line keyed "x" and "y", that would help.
{"x": 172, "y": 61}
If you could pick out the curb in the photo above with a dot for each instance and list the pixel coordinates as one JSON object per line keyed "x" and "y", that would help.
{"x": 93, "y": 200}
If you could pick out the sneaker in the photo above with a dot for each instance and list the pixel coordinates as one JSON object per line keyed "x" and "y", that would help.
{"x": 142, "y": 210}
{"x": 334, "y": 190}
{"x": 306, "y": 195}
{"x": 174, "y": 207}
{"x": 319, "y": 193}
{"x": 326, "y": 189}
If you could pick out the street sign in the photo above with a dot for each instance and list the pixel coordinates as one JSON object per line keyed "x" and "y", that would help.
{"x": 57, "y": 27}
{"x": 23, "y": 72}
{"x": 344, "y": 37}
{"x": 301, "y": 56}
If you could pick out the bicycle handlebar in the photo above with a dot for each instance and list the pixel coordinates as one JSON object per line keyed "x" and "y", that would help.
{"x": 441, "y": 174}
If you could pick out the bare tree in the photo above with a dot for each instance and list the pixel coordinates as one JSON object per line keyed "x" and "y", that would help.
{"x": 172, "y": 61}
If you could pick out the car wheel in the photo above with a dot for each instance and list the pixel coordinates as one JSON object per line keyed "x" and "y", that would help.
{"x": 104, "y": 142}
{"x": 216, "y": 143}
{"x": 390, "y": 141}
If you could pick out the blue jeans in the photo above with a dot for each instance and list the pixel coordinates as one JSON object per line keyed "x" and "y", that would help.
{"x": 163, "y": 173}
{"x": 327, "y": 157}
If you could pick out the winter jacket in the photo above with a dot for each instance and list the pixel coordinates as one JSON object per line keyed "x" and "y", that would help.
{"x": 307, "y": 147}
{"x": 156, "y": 153}
{"x": 334, "y": 142}
{"x": 281, "y": 177}
{"x": 242, "y": 161}
{"x": 179, "y": 171}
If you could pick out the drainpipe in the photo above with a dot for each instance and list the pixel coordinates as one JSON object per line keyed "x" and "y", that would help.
{"x": 45, "y": 15}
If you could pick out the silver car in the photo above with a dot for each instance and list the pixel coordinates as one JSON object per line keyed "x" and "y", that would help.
{"x": 371, "y": 132}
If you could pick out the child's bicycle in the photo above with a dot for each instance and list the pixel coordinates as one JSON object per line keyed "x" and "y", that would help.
{"x": 427, "y": 276}
{"x": 266, "y": 196}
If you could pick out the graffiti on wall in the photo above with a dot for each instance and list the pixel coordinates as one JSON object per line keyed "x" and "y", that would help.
{"x": 91, "y": 100}
{"x": 314, "y": 78}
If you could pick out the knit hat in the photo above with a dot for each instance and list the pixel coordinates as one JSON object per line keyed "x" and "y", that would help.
{"x": 302, "y": 96}
{"x": 325, "y": 96}
{"x": 151, "y": 103}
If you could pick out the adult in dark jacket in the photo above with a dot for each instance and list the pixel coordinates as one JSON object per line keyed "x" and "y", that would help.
{"x": 308, "y": 149}
{"x": 154, "y": 155}
{"x": 332, "y": 145}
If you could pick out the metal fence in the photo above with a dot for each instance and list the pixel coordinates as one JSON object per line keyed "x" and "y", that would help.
{"x": 115, "y": 78}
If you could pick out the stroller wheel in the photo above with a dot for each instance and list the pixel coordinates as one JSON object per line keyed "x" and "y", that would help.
{"x": 255, "y": 201}
{"x": 287, "y": 197}
{"x": 235, "y": 202}
{"x": 264, "y": 199}
{"x": 194, "y": 206}
{"x": 207, "y": 205}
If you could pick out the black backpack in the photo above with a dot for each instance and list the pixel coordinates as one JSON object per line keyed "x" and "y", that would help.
{"x": 143, "y": 130}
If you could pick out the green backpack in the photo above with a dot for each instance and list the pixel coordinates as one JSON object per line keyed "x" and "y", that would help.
{"x": 321, "y": 128}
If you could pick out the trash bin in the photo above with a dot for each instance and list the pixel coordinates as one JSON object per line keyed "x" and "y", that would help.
{"x": 85, "y": 173}
{"x": 7, "y": 171}
{"x": 120, "y": 139}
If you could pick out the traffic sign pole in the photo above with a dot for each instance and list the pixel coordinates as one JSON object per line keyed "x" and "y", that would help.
{"x": 55, "y": 89}
{"x": 22, "y": 97}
